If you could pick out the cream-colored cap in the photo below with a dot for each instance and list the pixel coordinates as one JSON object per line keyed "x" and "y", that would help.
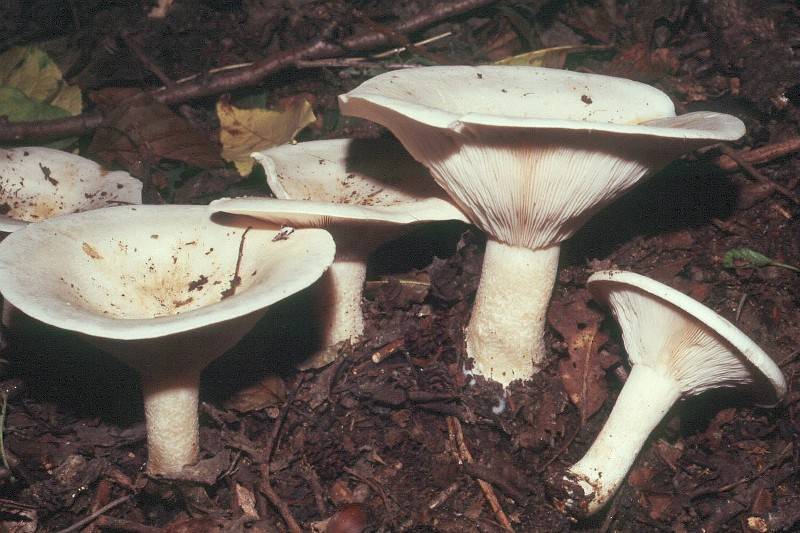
{"x": 529, "y": 154}
{"x": 38, "y": 183}
{"x": 149, "y": 271}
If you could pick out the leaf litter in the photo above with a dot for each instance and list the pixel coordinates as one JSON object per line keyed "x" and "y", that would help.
{"x": 375, "y": 436}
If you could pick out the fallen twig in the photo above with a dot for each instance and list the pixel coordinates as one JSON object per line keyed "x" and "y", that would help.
{"x": 755, "y": 174}
{"x": 224, "y": 80}
{"x": 121, "y": 524}
{"x": 266, "y": 489}
{"x": 387, "y": 350}
{"x": 789, "y": 358}
{"x": 760, "y": 155}
{"x": 145, "y": 60}
{"x": 561, "y": 449}
{"x": 89, "y": 519}
{"x": 444, "y": 495}
{"x": 782, "y": 456}
{"x": 423, "y": 42}
{"x": 454, "y": 426}
{"x": 101, "y": 496}
{"x": 311, "y": 476}
{"x": 495, "y": 478}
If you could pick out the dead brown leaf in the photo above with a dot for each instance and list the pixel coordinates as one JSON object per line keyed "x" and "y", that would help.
{"x": 583, "y": 373}
{"x": 659, "y": 504}
{"x": 140, "y": 130}
{"x": 640, "y": 477}
{"x": 641, "y": 64}
{"x": 18, "y": 517}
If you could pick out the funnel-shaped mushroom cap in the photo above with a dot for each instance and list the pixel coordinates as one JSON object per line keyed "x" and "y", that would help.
{"x": 37, "y": 183}
{"x": 530, "y": 153}
{"x": 163, "y": 288}
{"x": 668, "y": 331}
{"x": 348, "y": 180}
{"x": 365, "y": 192}
{"x": 150, "y": 271}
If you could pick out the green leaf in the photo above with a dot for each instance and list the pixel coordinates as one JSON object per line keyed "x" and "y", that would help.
{"x": 32, "y": 88}
{"x": 16, "y": 106}
{"x": 747, "y": 258}
{"x": 34, "y": 74}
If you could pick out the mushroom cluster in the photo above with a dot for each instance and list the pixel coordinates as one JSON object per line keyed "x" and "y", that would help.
{"x": 365, "y": 192}
{"x": 526, "y": 154}
{"x": 529, "y": 154}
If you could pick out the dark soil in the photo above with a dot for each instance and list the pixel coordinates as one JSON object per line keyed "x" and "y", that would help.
{"x": 376, "y": 446}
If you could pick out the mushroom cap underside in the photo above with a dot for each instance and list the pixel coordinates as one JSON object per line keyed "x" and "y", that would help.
{"x": 307, "y": 213}
{"x": 660, "y": 298}
{"x": 150, "y": 271}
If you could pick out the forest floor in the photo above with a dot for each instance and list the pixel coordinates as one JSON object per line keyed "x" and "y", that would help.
{"x": 376, "y": 445}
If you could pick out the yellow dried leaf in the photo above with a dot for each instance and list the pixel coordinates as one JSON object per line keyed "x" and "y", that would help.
{"x": 244, "y": 131}
{"x": 32, "y": 72}
{"x": 548, "y": 57}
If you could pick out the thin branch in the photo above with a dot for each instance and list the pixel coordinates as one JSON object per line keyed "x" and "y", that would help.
{"x": 454, "y": 427}
{"x": 229, "y": 79}
{"x": 89, "y": 519}
{"x": 760, "y": 155}
{"x": 755, "y": 174}
{"x": 134, "y": 46}
{"x": 266, "y": 489}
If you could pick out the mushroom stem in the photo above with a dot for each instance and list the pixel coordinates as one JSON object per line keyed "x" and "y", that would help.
{"x": 505, "y": 333}
{"x": 340, "y": 309}
{"x": 170, "y": 412}
{"x": 644, "y": 400}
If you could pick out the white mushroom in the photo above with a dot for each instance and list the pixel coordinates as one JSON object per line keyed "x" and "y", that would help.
{"x": 677, "y": 348}
{"x": 37, "y": 183}
{"x": 529, "y": 154}
{"x": 154, "y": 286}
{"x": 364, "y": 192}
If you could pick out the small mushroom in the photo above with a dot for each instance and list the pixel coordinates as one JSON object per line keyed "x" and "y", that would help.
{"x": 529, "y": 154}
{"x": 364, "y": 192}
{"x": 163, "y": 288}
{"x": 38, "y": 183}
{"x": 677, "y": 348}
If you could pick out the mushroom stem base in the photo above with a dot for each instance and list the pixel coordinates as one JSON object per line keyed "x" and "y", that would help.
{"x": 170, "y": 410}
{"x": 644, "y": 400}
{"x": 505, "y": 333}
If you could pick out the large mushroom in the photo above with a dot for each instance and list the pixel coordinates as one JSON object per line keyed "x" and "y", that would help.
{"x": 364, "y": 192}
{"x": 38, "y": 183}
{"x": 677, "y": 348}
{"x": 528, "y": 154}
{"x": 163, "y": 288}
